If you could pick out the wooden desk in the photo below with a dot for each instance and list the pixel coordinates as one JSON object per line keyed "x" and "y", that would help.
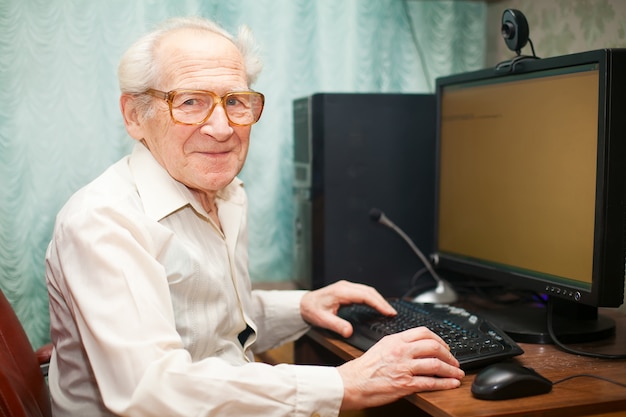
{"x": 577, "y": 397}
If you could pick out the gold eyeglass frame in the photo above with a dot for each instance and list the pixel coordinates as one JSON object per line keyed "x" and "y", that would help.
{"x": 169, "y": 97}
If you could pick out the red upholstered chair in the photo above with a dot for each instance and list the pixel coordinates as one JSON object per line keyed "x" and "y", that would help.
{"x": 23, "y": 389}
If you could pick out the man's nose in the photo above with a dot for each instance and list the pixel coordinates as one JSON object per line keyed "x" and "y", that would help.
{"x": 218, "y": 125}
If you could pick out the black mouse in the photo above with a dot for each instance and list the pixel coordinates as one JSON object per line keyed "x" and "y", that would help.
{"x": 506, "y": 380}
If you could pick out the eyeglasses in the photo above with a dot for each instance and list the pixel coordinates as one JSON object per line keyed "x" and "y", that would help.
{"x": 194, "y": 107}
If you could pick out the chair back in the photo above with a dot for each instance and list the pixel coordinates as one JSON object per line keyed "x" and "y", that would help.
{"x": 23, "y": 389}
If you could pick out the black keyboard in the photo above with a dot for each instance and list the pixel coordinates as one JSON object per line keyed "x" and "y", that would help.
{"x": 473, "y": 341}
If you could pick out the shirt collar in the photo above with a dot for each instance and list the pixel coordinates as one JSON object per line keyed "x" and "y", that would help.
{"x": 162, "y": 195}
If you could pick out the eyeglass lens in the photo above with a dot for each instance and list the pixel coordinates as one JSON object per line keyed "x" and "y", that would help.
{"x": 193, "y": 107}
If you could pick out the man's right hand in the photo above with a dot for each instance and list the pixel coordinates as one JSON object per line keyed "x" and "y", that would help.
{"x": 398, "y": 365}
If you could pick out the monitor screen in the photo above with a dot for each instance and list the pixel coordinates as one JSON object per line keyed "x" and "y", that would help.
{"x": 531, "y": 176}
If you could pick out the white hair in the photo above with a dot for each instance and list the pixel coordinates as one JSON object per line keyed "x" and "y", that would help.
{"x": 139, "y": 70}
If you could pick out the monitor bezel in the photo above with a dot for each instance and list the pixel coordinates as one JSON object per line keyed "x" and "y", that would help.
{"x": 607, "y": 286}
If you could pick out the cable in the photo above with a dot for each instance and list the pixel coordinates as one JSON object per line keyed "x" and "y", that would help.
{"x": 414, "y": 279}
{"x": 574, "y": 351}
{"x": 511, "y": 64}
{"x": 417, "y": 275}
{"x": 612, "y": 381}
{"x": 532, "y": 47}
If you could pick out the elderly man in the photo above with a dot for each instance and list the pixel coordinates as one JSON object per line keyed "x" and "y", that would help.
{"x": 152, "y": 312}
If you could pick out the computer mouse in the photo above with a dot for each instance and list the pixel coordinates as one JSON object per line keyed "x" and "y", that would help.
{"x": 506, "y": 380}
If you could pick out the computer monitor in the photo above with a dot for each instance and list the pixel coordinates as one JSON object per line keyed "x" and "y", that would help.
{"x": 531, "y": 186}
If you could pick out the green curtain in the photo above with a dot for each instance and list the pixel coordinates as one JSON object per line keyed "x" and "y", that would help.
{"x": 60, "y": 124}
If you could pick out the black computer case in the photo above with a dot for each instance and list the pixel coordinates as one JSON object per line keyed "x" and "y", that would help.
{"x": 352, "y": 153}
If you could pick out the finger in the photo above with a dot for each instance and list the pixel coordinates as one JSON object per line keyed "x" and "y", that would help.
{"x": 435, "y": 367}
{"x": 337, "y": 325}
{"x": 349, "y": 292}
{"x": 382, "y": 305}
{"x": 427, "y": 383}
{"x": 421, "y": 333}
{"x": 429, "y": 350}
{"x": 423, "y": 343}
{"x": 432, "y": 349}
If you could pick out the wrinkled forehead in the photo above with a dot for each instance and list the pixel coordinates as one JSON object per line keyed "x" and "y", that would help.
{"x": 194, "y": 54}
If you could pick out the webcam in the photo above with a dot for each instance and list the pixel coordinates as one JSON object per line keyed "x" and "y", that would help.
{"x": 515, "y": 32}
{"x": 514, "y": 29}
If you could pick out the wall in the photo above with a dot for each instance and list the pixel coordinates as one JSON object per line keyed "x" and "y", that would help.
{"x": 559, "y": 27}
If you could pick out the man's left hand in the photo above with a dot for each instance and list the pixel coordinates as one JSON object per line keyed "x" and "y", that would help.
{"x": 319, "y": 308}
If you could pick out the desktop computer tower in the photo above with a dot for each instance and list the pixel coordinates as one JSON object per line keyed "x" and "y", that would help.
{"x": 352, "y": 153}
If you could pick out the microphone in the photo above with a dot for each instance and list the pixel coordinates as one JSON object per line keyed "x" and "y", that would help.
{"x": 443, "y": 293}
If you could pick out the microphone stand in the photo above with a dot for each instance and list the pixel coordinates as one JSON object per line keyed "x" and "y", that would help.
{"x": 443, "y": 293}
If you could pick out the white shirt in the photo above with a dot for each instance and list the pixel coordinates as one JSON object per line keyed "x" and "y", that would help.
{"x": 148, "y": 297}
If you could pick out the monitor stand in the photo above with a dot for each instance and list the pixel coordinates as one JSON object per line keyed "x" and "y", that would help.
{"x": 572, "y": 322}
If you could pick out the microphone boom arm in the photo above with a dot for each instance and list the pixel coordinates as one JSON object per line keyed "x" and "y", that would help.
{"x": 443, "y": 293}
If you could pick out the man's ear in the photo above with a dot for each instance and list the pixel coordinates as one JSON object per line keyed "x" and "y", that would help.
{"x": 132, "y": 120}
